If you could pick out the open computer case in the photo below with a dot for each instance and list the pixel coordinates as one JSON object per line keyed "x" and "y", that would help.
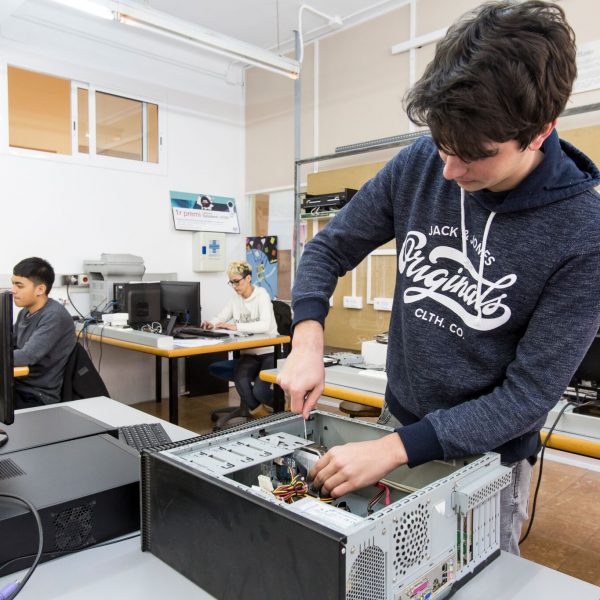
{"x": 208, "y": 512}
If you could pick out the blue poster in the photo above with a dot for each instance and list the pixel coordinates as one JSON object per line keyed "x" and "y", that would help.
{"x": 203, "y": 212}
{"x": 261, "y": 254}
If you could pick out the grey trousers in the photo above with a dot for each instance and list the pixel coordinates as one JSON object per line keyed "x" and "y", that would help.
{"x": 513, "y": 499}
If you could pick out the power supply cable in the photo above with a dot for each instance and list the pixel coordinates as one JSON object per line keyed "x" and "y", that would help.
{"x": 10, "y": 591}
{"x": 539, "y": 479}
{"x": 101, "y": 347}
{"x": 73, "y": 305}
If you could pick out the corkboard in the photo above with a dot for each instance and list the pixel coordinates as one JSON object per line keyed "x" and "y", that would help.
{"x": 346, "y": 327}
{"x": 587, "y": 139}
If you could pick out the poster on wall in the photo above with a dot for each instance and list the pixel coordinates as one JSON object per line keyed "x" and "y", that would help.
{"x": 261, "y": 254}
{"x": 204, "y": 212}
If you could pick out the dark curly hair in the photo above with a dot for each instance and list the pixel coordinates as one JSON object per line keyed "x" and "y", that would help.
{"x": 502, "y": 72}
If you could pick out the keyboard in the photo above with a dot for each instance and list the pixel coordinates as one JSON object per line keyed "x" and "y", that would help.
{"x": 186, "y": 332}
{"x": 144, "y": 435}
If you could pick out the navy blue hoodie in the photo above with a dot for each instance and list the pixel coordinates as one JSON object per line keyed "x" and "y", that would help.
{"x": 497, "y": 295}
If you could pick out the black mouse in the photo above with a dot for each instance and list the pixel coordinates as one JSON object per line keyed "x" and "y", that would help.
{"x": 3, "y": 437}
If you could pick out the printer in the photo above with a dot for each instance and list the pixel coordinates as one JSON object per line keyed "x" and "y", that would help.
{"x": 111, "y": 269}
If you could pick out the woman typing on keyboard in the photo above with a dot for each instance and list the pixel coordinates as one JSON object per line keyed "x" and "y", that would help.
{"x": 250, "y": 311}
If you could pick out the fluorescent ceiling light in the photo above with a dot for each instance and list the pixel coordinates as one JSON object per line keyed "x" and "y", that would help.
{"x": 165, "y": 25}
{"x": 91, "y": 8}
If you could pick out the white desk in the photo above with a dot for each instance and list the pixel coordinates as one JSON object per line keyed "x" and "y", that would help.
{"x": 122, "y": 571}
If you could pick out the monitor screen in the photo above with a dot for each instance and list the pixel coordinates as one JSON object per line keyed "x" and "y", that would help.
{"x": 7, "y": 414}
{"x": 142, "y": 302}
{"x": 181, "y": 299}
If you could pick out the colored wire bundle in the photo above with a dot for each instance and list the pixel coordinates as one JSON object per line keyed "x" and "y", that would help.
{"x": 297, "y": 488}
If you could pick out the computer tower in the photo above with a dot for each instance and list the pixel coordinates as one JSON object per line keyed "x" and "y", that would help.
{"x": 207, "y": 512}
{"x": 86, "y": 491}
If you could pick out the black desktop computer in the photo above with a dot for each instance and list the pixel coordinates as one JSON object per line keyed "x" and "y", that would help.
{"x": 83, "y": 482}
{"x": 35, "y": 428}
{"x": 141, "y": 300}
{"x": 172, "y": 303}
{"x": 85, "y": 490}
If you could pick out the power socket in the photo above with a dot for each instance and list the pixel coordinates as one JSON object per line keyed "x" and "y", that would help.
{"x": 73, "y": 280}
{"x": 383, "y": 303}
{"x": 353, "y": 302}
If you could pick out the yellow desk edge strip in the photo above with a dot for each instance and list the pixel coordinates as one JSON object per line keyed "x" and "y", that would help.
{"x": 576, "y": 445}
{"x": 338, "y": 392}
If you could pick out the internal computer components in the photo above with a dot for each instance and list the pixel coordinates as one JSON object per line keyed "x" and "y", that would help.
{"x": 235, "y": 513}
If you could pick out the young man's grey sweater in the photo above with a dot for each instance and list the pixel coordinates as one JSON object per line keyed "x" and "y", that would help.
{"x": 43, "y": 342}
{"x": 495, "y": 303}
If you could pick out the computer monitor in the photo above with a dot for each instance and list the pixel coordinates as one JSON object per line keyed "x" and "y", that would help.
{"x": 7, "y": 407}
{"x": 143, "y": 303}
{"x": 181, "y": 302}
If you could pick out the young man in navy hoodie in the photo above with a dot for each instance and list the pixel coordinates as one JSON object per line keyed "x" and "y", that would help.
{"x": 497, "y": 226}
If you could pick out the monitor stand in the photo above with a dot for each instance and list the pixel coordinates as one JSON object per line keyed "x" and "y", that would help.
{"x": 171, "y": 325}
{"x": 3, "y": 437}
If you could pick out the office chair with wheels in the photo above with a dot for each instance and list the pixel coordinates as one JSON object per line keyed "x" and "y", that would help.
{"x": 235, "y": 415}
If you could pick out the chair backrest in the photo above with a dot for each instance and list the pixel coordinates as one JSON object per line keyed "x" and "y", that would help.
{"x": 283, "y": 317}
{"x": 81, "y": 379}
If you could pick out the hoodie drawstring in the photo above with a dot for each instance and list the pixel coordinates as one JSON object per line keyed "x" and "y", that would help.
{"x": 483, "y": 248}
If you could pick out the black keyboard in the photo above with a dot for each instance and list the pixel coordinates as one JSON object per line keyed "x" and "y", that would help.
{"x": 199, "y": 332}
{"x": 145, "y": 435}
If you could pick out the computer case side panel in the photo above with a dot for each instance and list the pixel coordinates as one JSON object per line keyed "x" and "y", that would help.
{"x": 86, "y": 491}
{"x": 234, "y": 545}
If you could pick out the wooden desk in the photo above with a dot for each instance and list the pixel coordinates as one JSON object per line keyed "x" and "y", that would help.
{"x": 577, "y": 434}
{"x": 20, "y": 371}
{"x": 173, "y": 354}
{"x": 341, "y": 392}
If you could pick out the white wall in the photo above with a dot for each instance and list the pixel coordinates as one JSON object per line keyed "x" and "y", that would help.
{"x": 66, "y": 211}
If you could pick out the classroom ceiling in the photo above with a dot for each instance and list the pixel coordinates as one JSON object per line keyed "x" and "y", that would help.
{"x": 270, "y": 23}
{"x": 267, "y": 24}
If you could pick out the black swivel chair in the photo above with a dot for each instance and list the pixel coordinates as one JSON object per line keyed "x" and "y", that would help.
{"x": 236, "y": 415}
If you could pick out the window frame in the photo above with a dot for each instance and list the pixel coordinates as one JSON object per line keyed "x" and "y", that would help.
{"x": 90, "y": 158}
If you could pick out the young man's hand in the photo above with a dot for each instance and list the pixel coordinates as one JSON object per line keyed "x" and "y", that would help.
{"x": 303, "y": 375}
{"x": 357, "y": 465}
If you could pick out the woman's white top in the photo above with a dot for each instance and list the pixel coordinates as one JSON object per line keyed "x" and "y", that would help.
{"x": 251, "y": 315}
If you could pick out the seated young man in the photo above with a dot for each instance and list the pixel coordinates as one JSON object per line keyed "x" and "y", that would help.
{"x": 44, "y": 334}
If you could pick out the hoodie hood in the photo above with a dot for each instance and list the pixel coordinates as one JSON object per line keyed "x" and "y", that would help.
{"x": 564, "y": 172}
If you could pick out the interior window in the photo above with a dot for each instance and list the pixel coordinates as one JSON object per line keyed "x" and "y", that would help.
{"x": 39, "y": 111}
{"x": 119, "y": 126}
{"x": 42, "y": 118}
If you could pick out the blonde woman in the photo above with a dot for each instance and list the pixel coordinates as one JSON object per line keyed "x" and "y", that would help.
{"x": 250, "y": 311}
